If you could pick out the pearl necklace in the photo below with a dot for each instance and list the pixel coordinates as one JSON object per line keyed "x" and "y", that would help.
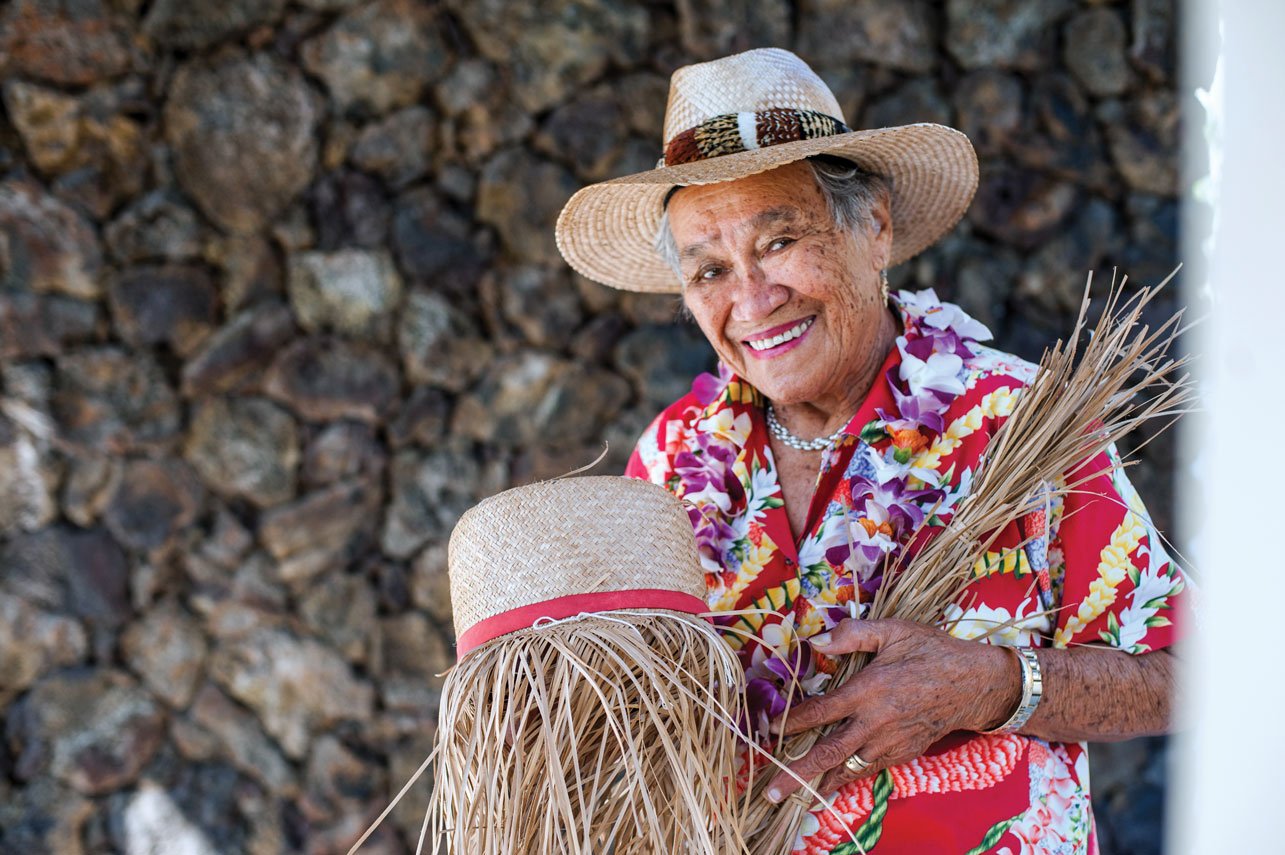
{"x": 819, "y": 444}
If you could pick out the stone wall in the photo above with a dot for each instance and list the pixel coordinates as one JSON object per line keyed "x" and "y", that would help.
{"x": 279, "y": 299}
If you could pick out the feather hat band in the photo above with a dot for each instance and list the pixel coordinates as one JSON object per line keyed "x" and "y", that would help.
{"x": 746, "y": 114}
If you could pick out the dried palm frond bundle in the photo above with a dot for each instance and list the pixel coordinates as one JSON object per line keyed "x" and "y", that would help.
{"x": 593, "y": 709}
{"x": 1083, "y": 399}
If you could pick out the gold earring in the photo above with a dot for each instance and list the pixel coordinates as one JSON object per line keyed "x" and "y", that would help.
{"x": 883, "y": 284}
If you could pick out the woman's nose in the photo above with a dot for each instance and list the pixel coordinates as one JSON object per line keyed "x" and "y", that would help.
{"x": 757, "y": 295}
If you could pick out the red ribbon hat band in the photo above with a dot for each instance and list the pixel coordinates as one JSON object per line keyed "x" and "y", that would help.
{"x": 571, "y": 606}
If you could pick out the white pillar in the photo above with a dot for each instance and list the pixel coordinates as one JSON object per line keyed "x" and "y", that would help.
{"x": 1231, "y": 758}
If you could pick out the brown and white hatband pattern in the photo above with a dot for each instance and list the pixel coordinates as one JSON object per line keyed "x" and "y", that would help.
{"x": 737, "y": 132}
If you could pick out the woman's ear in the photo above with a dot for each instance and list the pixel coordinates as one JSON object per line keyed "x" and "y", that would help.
{"x": 881, "y": 231}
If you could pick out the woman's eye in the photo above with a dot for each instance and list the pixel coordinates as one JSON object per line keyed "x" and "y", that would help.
{"x": 779, "y": 243}
{"x": 708, "y": 273}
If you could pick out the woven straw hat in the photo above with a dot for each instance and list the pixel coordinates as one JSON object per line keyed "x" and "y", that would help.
{"x": 559, "y": 548}
{"x": 746, "y": 114}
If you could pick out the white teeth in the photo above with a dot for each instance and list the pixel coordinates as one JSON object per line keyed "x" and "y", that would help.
{"x": 792, "y": 333}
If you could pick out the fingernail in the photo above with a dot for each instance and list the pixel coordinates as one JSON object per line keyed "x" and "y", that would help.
{"x": 820, "y": 639}
{"x": 774, "y": 795}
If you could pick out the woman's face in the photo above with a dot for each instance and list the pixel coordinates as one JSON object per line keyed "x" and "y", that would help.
{"x": 788, "y": 301}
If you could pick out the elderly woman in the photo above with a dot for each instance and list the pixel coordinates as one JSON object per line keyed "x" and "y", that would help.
{"x": 843, "y": 416}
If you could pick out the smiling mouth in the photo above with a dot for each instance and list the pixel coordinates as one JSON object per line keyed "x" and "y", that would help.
{"x": 781, "y": 338}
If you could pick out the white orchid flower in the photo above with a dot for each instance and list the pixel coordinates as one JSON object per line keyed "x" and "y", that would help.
{"x": 939, "y": 372}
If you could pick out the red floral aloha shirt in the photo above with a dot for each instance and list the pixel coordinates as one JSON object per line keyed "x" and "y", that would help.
{"x": 1092, "y": 570}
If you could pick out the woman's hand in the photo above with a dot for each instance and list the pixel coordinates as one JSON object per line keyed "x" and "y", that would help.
{"x": 920, "y": 685}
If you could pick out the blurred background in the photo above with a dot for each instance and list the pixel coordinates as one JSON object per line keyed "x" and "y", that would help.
{"x": 279, "y": 299}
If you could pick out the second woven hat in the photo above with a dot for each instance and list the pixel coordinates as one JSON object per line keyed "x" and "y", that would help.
{"x": 593, "y": 708}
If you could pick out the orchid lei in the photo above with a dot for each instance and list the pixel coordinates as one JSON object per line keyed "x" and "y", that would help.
{"x": 888, "y": 501}
{"x": 889, "y": 491}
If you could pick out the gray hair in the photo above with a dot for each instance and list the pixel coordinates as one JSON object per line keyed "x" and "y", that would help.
{"x": 849, "y": 193}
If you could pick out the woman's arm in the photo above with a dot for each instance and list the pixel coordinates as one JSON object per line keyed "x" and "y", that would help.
{"x": 922, "y": 684}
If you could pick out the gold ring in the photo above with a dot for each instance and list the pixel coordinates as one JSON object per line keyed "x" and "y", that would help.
{"x": 855, "y": 764}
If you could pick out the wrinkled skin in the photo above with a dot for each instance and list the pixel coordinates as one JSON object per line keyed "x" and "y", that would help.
{"x": 923, "y": 684}
{"x": 762, "y": 252}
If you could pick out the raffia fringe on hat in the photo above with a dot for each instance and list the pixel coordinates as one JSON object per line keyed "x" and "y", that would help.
{"x": 608, "y": 733}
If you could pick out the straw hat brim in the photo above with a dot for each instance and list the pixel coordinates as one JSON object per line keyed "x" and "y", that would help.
{"x": 607, "y": 231}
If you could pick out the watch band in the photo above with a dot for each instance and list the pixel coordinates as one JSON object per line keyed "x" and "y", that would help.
{"x": 1032, "y": 691}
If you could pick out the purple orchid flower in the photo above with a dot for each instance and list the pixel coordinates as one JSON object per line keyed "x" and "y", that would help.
{"x": 870, "y": 584}
{"x": 831, "y": 615}
{"x": 905, "y": 507}
{"x": 838, "y": 554}
{"x": 917, "y": 407}
{"x": 948, "y": 341}
{"x": 920, "y": 347}
{"x": 714, "y": 537}
{"x": 914, "y": 411}
{"x": 706, "y": 472}
{"x": 708, "y": 388}
{"x": 764, "y": 700}
{"x": 771, "y": 677}
{"x": 795, "y": 666}
{"x": 938, "y": 372}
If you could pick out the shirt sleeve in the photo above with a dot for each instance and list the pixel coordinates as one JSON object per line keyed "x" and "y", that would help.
{"x": 1118, "y": 585}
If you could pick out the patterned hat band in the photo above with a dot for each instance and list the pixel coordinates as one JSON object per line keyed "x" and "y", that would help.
{"x": 737, "y": 132}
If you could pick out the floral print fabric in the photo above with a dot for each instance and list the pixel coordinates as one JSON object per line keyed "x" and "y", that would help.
{"x": 1087, "y": 568}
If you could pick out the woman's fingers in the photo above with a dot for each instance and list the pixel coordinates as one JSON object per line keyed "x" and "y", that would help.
{"x": 823, "y": 709}
{"x": 848, "y": 636}
{"x": 919, "y": 685}
{"x": 829, "y": 752}
{"x": 875, "y": 751}
{"x": 852, "y": 636}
